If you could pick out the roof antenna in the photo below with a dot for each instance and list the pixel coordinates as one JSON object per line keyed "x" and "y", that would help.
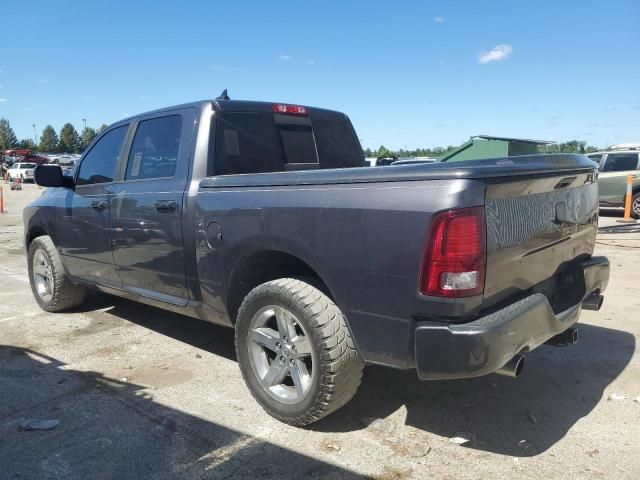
{"x": 223, "y": 95}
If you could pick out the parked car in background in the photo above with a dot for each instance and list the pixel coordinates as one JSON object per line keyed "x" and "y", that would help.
{"x": 22, "y": 170}
{"x": 615, "y": 164}
{"x": 37, "y": 159}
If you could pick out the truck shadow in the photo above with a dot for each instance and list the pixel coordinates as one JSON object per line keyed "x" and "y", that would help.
{"x": 109, "y": 429}
{"x": 557, "y": 388}
{"x": 216, "y": 339}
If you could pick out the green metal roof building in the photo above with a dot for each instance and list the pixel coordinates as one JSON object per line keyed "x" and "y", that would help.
{"x": 486, "y": 146}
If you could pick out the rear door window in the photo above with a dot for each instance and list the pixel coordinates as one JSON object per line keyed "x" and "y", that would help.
{"x": 155, "y": 148}
{"x": 620, "y": 162}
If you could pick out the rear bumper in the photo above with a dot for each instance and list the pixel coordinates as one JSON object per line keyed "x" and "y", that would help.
{"x": 485, "y": 345}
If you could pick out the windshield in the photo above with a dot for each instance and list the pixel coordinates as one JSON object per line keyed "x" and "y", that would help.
{"x": 27, "y": 165}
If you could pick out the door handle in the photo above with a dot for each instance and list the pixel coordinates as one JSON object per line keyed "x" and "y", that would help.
{"x": 99, "y": 204}
{"x": 166, "y": 205}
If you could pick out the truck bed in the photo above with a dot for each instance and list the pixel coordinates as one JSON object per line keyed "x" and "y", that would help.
{"x": 475, "y": 169}
{"x": 363, "y": 231}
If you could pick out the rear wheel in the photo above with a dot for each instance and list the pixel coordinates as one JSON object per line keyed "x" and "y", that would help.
{"x": 51, "y": 287}
{"x": 635, "y": 206}
{"x": 295, "y": 351}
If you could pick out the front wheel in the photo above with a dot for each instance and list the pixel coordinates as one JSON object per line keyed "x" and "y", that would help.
{"x": 295, "y": 351}
{"x": 51, "y": 287}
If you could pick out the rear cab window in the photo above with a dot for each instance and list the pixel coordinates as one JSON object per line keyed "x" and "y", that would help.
{"x": 260, "y": 142}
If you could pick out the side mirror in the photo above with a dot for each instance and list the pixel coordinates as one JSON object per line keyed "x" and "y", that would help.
{"x": 51, "y": 176}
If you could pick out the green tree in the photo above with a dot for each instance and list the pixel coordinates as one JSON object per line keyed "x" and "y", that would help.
{"x": 102, "y": 128}
{"x": 69, "y": 139}
{"x": 87, "y": 136}
{"x": 383, "y": 151}
{"x": 8, "y": 137}
{"x": 48, "y": 140}
{"x": 368, "y": 153}
{"x": 28, "y": 143}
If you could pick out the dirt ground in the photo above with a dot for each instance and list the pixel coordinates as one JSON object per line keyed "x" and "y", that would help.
{"x": 142, "y": 393}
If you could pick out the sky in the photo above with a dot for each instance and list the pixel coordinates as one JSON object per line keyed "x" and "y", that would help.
{"x": 408, "y": 73}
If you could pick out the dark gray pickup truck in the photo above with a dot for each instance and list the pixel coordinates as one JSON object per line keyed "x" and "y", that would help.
{"x": 264, "y": 218}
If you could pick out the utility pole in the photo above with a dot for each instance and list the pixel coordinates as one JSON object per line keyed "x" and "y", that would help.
{"x": 84, "y": 120}
{"x": 35, "y": 137}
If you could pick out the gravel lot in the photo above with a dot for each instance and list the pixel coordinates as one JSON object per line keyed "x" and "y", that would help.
{"x": 142, "y": 393}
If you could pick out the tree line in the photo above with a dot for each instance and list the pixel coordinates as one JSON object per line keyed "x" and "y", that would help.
{"x": 70, "y": 141}
{"x": 383, "y": 151}
{"x": 572, "y": 146}
{"x": 67, "y": 141}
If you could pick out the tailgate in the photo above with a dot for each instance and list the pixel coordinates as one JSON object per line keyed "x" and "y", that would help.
{"x": 537, "y": 228}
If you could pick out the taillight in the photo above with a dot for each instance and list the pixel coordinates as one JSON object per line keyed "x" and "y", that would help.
{"x": 289, "y": 109}
{"x": 455, "y": 254}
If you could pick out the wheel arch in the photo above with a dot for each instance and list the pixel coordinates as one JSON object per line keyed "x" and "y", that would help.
{"x": 262, "y": 266}
{"x": 34, "y": 232}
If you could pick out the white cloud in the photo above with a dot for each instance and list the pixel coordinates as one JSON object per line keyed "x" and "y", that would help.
{"x": 438, "y": 19}
{"x": 284, "y": 57}
{"x": 27, "y": 109}
{"x": 311, "y": 62}
{"x": 43, "y": 80}
{"x": 2, "y": 100}
{"x": 497, "y": 53}
{"x": 224, "y": 68}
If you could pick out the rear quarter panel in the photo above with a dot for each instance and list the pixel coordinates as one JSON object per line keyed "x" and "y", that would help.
{"x": 365, "y": 241}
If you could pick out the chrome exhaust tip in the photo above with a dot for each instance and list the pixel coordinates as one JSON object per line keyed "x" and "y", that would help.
{"x": 568, "y": 337}
{"x": 513, "y": 367}
{"x": 593, "y": 302}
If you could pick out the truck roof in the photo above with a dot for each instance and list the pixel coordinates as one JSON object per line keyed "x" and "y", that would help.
{"x": 232, "y": 106}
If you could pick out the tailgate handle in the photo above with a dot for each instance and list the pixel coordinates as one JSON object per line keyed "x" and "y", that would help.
{"x": 99, "y": 204}
{"x": 565, "y": 182}
{"x": 166, "y": 205}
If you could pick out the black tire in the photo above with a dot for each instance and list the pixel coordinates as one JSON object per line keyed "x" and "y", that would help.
{"x": 635, "y": 206}
{"x": 337, "y": 368}
{"x": 64, "y": 293}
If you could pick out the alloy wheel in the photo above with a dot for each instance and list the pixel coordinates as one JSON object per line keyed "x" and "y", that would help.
{"x": 281, "y": 354}
{"x": 43, "y": 275}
